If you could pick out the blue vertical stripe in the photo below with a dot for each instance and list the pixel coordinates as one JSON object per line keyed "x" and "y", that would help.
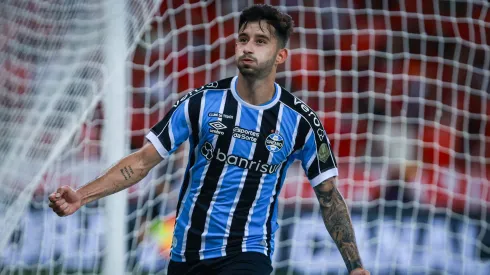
{"x": 211, "y": 102}
{"x": 229, "y": 198}
{"x": 257, "y": 226}
{"x": 229, "y": 187}
{"x": 247, "y": 152}
{"x": 217, "y": 145}
{"x": 257, "y": 218}
{"x": 248, "y": 196}
{"x": 272, "y": 224}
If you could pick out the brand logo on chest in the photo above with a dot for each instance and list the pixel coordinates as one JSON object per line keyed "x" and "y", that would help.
{"x": 216, "y": 127}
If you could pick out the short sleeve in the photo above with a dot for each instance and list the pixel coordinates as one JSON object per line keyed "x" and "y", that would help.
{"x": 317, "y": 158}
{"x": 170, "y": 132}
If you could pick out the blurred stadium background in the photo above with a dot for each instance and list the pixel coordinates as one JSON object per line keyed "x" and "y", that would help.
{"x": 401, "y": 87}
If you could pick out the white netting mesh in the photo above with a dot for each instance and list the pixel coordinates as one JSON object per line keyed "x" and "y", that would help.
{"x": 402, "y": 88}
{"x": 52, "y": 78}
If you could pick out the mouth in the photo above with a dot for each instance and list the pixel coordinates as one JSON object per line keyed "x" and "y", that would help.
{"x": 247, "y": 60}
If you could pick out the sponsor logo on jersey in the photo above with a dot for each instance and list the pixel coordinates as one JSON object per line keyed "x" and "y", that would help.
{"x": 245, "y": 134}
{"x": 310, "y": 113}
{"x": 216, "y": 127}
{"x": 274, "y": 142}
{"x": 207, "y": 150}
{"x": 212, "y": 85}
{"x": 321, "y": 133}
{"x": 219, "y": 115}
{"x": 323, "y": 152}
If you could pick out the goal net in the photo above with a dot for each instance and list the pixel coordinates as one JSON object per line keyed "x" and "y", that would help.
{"x": 401, "y": 88}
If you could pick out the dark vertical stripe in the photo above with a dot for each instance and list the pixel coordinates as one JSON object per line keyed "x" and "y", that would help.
{"x": 317, "y": 166}
{"x": 194, "y": 110}
{"x": 161, "y": 129}
{"x": 198, "y": 216}
{"x": 273, "y": 205}
{"x": 158, "y": 128}
{"x": 299, "y": 142}
{"x": 313, "y": 170}
{"x": 252, "y": 181}
{"x": 301, "y": 134}
{"x": 165, "y": 138}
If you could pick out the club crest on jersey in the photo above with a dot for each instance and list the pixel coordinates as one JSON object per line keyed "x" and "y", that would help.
{"x": 274, "y": 142}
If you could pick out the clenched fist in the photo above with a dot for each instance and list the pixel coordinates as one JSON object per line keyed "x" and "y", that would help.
{"x": 65, "y": 201}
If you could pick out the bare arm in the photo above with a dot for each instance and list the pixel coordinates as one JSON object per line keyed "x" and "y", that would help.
{"x": 127, "y": 172}
{"x": 338, "y": 223}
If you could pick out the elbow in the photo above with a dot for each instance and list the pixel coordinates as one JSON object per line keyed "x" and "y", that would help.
{"x": 144, "y": 172}
{"x": 143, "y": 166}
{"x": 147, "y": 158}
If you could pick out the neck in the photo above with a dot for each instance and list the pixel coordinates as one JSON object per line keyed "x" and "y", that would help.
{"x": 256, "y": 91}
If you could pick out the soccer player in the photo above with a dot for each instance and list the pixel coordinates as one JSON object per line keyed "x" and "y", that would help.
{"x": 244, "y": 133}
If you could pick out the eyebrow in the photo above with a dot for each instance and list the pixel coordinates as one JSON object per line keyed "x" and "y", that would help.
{"x": 263, "y": 36}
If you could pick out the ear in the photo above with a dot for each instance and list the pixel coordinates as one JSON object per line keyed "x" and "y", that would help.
{"x": 281, "y": 56}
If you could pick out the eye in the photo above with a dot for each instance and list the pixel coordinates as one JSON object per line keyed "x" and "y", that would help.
{"x": 261, "y": 41}
{"x": 242, "y": 40}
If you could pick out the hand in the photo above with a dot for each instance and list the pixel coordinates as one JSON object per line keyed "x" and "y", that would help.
{"x": 359, "y": 271}
{"x": 65, "y": 201}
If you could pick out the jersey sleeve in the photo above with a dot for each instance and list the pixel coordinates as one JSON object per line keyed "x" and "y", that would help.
{"x": 317, "y": 158}
{"x": 170, "y": 132}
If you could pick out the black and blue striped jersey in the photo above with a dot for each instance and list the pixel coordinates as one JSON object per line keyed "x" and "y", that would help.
{"x": 238, "y": 159}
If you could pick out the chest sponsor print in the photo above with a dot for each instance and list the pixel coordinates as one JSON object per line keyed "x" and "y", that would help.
{"x": 245, "y": 134}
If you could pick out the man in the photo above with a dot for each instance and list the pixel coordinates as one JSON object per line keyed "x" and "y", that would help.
{"x": 244, "y": 132}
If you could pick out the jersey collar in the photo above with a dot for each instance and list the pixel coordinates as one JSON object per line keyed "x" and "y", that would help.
{"x": 268, "y": 105}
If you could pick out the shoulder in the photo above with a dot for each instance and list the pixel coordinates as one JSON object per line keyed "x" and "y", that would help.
{"x": 294, "y": 103}
{"x": 301, "y": 108}
{"x": 222, "y": 84}
{"x": 196, "y": 94}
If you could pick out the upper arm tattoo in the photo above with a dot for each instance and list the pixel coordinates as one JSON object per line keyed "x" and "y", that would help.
{"x": 324, "y": 192}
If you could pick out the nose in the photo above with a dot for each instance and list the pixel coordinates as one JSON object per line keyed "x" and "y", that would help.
{"x": 247, "y": 48}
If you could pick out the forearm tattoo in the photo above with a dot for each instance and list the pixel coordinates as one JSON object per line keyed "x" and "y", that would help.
{"x": 337, "y": 220}
{"x": 127, "y": 172}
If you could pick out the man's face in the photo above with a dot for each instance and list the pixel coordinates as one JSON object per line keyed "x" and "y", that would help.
{"x": 256, "y": 49}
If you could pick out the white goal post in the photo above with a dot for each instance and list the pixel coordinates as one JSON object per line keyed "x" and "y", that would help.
{"x": 402, "y": 89}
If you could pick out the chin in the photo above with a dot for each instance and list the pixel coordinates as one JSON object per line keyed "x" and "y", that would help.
{"x": 247, "y": 71}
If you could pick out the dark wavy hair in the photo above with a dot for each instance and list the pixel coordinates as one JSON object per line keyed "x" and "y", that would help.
{"x": 282, "y": 22}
